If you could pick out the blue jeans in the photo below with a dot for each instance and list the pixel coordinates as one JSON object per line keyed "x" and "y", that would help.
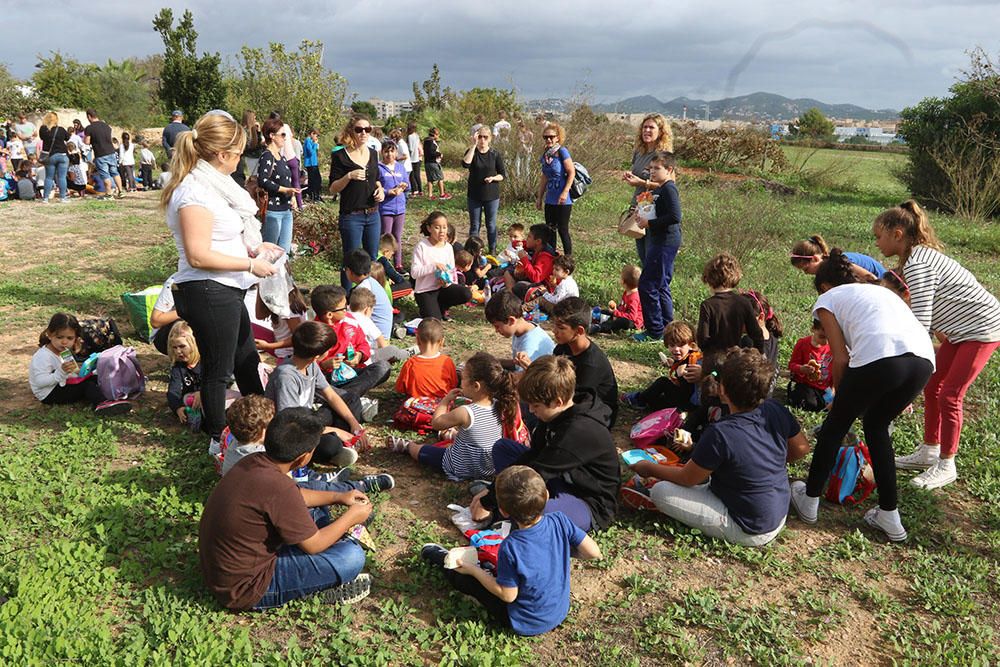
{"x": 561, "y": 499}
{"x": 476, "y": 209}
{"x": 654, "y": 286}
{"x": 277, "y": 228}
{"x": 359, "y": 230}
{"x": 57, "y": 167}
{"x": 107, "y": 167}
{"x": 298, "y": 574}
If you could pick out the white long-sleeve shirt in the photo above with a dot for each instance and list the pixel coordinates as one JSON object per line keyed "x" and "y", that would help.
{"x": 425, "y": 257}
{"x": 567, "y": 287}
{"x": 45, "y": 372}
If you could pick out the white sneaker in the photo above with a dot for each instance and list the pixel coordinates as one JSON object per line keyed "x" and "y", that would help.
{"x": 804, "y": 506}
{"x": 345, "y": 458}
{"x": 214, "y": 447}
{"x": 369, "y": 409}
{"x": 877, "y": 518}
{"x": 938, "y": 475}
{"x": 922, "y": 458}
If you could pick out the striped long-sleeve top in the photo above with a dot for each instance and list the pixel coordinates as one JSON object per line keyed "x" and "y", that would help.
{"x": 945, "y": 297}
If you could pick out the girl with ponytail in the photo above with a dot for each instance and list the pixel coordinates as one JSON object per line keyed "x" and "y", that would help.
{"x": 948, "y": 301}
{"x": 479, "y": 422}
{"x": 220, "y": 255}
{"x": 807, "y": 255}
{"x": 882, "y": 358}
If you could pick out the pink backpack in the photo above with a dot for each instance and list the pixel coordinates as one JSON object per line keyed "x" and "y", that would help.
{"x": 655, "y": 426}
{"x": 119, "y": 375}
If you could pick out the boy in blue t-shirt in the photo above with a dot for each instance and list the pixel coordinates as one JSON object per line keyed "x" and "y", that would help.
{"x": 358, "y": 268}
{"x": 505, "y": 313}
{"x": 530, "y": 594}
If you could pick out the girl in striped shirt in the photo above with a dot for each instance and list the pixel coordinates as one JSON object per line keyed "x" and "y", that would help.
{"x": 949, "y": 301}
{"x": 478, "y": 424}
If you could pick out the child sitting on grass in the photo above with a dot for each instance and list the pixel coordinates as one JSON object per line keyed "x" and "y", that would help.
{"x": 184, "y": 384}
{"x": 388, "y": 248}
{"x": 743, "y": 457}
{"x": 260, "y": 544}
{"x": 280, "y": 301}
{"x": 571, "y": 448}
{"x": 527, "y": 341}
{"x": 726, "y": 316}
{"x": 531, "y": 591}
{"x": 673, "y": 389}
{"x": 247, "y": 419}
{"x": 561, "y": 284}
{"x": 515, "y": 234}
{"x": 571, "y": 321}
{"x": 350, "y": 346}
{"x": 534, "y": 261}
{"x": 627, "y": 314}
{"x": 53, "y": 373}
{"x": 476, "y": 275}
{"x": 357, "y": 267}
{"x": 478, "y": 424}
{"x": 430, "y": 373}
{"x": 296, "y": 384}
{"x": 362, "y": 302}
{"x": 770, "y": 326}
{"x": 810, "y": 370}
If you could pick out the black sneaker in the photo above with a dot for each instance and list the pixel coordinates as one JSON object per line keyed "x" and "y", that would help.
{"x": 377, "y": 483}
{"x": 349, "y": 593}
{"x": 433, "y": 553}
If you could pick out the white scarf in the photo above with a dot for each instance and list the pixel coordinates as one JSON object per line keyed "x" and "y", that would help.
{"x": 238, "y": 199}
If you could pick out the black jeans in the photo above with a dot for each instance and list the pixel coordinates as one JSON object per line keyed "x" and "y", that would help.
{"x": 879, "y": 391}
{"x": 221, "y": 328}
{"x": 612, "y": 324}
{"x": 369, "y": 377}
{"x": 415, "y": 185}
{"x": 435, "y": 302}
{"x": 315, "y": 183}
{"x": 88, "y": 390}
{"x": 330, "y": 444}
{"x": 807, "y": 397}
{"x": 469, "y": 585}
{"x": 665, "y": 394}
{"x": 557, "y": 217}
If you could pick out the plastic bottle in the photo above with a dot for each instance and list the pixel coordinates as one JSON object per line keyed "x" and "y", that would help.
{"x": 350, "y": 352}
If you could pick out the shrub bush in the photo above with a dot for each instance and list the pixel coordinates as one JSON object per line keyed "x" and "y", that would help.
{"x": 728, "y": 148}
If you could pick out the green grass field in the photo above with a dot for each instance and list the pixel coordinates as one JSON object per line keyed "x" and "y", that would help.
{"x": 98, "y": 538}
{"x": 870, "y": 172}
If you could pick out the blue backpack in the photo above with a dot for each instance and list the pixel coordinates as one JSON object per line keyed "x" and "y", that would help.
{"x": 851, "y": 480}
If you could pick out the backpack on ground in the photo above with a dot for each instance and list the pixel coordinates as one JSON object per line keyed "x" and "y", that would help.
{"x": 119, "y": 375}
{"x": 851, "y": 480}
{"x": 99, "y": 335}
{"x": 581, "y": 181}
{"x": 656, "y": 427}
{"x": 415, "y": 414}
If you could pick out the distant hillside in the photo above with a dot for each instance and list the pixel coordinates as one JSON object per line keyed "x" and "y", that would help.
{"x": 756, "y": 106}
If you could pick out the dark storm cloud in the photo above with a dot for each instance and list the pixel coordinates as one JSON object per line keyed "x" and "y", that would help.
{"x": 840, "y": 51}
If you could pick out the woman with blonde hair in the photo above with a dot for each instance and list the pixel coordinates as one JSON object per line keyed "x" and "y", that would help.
{"x": 354, "y": 175}
{"x": 54, "y": 155}
{"x": 219, "y": 250}
{"x": 654, "y": 135}
{"x": 557, "y": 179}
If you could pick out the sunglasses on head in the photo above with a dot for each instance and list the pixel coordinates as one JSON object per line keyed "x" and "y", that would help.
{"x": 362, "y": 129}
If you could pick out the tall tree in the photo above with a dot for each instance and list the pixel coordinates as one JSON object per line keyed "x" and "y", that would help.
{"x": 814, "y": 125}
{"x": 364, "y": 107}
{"x": 63, "y": 82}
{"x": 14, "y": 95}
{"x": 188, "y": 82}
{"x": 294, "y": 83}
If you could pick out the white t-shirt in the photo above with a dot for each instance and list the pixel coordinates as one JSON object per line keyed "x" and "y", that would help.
{"x": 403, "y": 155}
{"x": 567, "y": 287}
{"x": 414, "y": 141}
{"x": 16, "y": 148}
{"x": 371, "y": 331}
{"x": 227, "y": 234}
{"x": 126, "y": 156}
{"x": 877, "y": 324}
{"x": 147, "y": 156}
{"x": 500, "y": 126}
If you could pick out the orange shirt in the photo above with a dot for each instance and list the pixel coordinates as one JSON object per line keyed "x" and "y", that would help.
{"x": 423, "y": 376}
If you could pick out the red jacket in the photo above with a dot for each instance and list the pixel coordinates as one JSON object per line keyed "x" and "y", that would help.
{"x": 804, "y": 351}
{"x": 630, "y": 308}
{"x": 538, "y": 267}
{"x": 349, "y": 332}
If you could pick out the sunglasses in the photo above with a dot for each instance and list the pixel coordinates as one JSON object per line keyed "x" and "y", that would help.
{"x": 362, "y": 129}
{"x": 548, "y": 136}
{"x": 338, "y": 310}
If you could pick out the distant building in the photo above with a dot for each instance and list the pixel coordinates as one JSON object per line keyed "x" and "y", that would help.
{"x": 874, "y": 134}
{"x": 389, "y": 108}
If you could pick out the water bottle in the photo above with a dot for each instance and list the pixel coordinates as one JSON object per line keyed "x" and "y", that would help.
{"x": 350, "y": 352}
{"x": 300, "y": 475}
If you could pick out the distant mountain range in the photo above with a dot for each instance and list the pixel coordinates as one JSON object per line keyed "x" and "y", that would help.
{"x": 756, "y": 106}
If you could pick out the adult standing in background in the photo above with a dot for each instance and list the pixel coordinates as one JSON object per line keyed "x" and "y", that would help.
{"x": 416, "y": 158}
{"x": 502, "y": 126}
{"x": 557, "y": 178}
{"x": 290, "y": 156}
{"x": 402, "y": 152}
{"x": 97, "y": 135}
{"x": 275, "y": 176}
{"x": 255, "y": 142}
{"x": 207, "y": 213}
{"x": 486, "y": 170}
{"x": 354, "y": 175}
{"x": 173, "y": 128}
{"x": 27, "y": 133}
{"x": 310, "y": 160}
{"x": 54, "y": 140}
{"x": 654, "y": 135}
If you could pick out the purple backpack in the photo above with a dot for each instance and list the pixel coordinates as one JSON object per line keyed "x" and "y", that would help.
{"x": 119, "y": 375}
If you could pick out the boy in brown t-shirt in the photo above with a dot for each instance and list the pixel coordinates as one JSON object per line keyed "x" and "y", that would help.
{"x": 260, "y": 543}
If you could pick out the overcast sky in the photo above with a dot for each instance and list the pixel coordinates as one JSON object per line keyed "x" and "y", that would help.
{"x": 877, "y": 55}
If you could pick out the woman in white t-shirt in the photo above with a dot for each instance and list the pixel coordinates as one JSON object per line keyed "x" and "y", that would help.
{"x": 217, "y": 238}
{"x": 882, "y": 358}
{"x": 416, "y": 150}
{"x": 126, "y": 162}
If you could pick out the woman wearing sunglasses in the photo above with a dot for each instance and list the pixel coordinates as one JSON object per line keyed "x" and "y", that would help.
{"x": 557, "y": 178}
{"x": 354, "y": 175}
{"x": 486, "y": 170}
{"x": 275, "y": 176}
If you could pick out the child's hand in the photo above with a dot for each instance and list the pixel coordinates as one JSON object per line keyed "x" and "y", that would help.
{"x": 68, "y": 367}
{"x": 359, "y": 512}
{"x": 450, "y": 397}
{"x": 642, "y": 223}
{"x": 522, "y": 359}
{"x": 644, "y": 468}
{"x": 196, "y": 401}
{"x": 612, "y": 305}
{"x": 182, "y": 415}
{"x": 692, "y": 373}
{"x": 448, "y": 433}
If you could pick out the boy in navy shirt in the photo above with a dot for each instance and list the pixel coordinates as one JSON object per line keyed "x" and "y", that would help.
{"x": 530, "y": 594}
{"x": 663, "y": 240}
